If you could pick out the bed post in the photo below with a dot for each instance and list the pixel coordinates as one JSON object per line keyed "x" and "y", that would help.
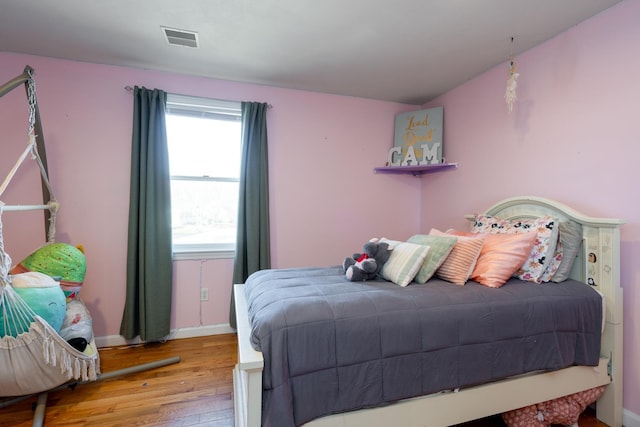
{"x": 598, "y": 264}
{"x": 247, "y": 374}
{"x": 603, "y": 271}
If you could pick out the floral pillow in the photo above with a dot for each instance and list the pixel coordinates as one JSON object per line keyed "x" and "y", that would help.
{"x": 554, "y": 264}
{"x": 544, "y": 246}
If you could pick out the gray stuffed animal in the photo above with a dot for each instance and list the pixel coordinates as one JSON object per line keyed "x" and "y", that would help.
{"x": 367, "y": 265}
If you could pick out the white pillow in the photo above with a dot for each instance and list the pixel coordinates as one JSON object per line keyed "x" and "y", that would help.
{"x": 404, "y": 263}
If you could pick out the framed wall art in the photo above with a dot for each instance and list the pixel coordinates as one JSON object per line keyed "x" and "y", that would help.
{"x": 417, "y": 138}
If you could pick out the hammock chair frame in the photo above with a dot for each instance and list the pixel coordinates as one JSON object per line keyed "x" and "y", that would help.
{"x": 50, "y": 207}
{"x": 35, "y": 128}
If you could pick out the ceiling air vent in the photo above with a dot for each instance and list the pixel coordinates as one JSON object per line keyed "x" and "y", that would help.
{"x": 181, "y": 37}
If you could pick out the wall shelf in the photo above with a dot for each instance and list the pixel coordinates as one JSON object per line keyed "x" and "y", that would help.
{"x": 416, "y": 170}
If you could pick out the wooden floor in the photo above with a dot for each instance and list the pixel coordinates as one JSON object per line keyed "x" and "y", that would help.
{"x": 197, "y": 391}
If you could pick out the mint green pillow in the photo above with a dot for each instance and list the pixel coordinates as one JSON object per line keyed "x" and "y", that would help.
{"x": 440, "y": 247}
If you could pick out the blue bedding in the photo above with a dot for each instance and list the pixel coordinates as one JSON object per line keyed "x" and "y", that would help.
{"x": 331, "y": 345}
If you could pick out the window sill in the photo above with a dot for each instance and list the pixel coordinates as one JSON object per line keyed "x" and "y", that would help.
{"x": 198, "y": 255}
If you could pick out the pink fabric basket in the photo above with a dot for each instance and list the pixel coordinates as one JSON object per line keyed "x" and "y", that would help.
{"x": 564, "y": 410}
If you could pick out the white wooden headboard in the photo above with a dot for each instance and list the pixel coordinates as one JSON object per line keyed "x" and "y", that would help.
{"x": 601, "y": 239}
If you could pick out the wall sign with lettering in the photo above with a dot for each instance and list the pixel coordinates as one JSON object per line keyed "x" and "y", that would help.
{"x": 417, "y": 138}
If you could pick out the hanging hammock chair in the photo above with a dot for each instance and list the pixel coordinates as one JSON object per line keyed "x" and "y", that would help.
{"x": 34, "y": 358}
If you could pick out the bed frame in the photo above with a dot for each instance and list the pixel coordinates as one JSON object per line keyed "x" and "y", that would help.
{"x": 601, "y": 236}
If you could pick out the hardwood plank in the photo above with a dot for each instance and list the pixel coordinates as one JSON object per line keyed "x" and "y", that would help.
{"x": 197, "y": 391}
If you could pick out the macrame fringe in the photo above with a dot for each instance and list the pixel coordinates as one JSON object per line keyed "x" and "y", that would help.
{"x": 73, "y": 367}
{"x": 94, "y": 368}
{"x": 76, "y": 369}
{"x": 49, "y": 350}
{"x": 52, "y": 352}
{"x": 45, "y": 350}
{"x": 65, "y": 366}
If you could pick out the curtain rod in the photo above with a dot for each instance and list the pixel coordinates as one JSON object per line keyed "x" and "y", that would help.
{"x": 130, "y": 90}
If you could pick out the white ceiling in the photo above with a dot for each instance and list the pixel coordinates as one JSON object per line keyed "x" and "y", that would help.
{"x": 402, "y": 50}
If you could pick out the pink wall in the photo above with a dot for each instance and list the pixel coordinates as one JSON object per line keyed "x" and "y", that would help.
{"x": 573, "y": 136}
{"x": 325, "y": 199}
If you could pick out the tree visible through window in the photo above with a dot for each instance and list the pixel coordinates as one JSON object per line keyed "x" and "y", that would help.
{"x": 204, "y": 142}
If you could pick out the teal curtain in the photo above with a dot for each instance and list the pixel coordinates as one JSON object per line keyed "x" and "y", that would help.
{"x": 147, "y": 310}
{"x": 253, "y": 251}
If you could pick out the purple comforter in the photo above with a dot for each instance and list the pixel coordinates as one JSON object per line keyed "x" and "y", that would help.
{"x": 331, "y": 345}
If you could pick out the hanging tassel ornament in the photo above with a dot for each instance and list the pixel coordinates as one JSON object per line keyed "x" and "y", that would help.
{"x": 512, "y": 83}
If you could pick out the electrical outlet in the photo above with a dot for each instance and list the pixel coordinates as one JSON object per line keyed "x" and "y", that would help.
{"x": 204, "y": 294}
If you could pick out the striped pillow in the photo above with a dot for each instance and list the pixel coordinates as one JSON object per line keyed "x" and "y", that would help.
{"x": 404, "y": 262}
{"x": 461, "y": 260}
{"x": 440, "y": 249}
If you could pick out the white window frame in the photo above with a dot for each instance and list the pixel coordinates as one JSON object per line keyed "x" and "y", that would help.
{"x": 206, "y": 108}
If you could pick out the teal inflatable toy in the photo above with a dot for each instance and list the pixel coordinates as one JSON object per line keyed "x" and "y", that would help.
{"x": 43, "y": 295}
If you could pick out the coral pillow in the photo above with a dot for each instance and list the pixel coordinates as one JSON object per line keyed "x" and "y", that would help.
{"x": 461, "y": 260}
{"x": 543, "y": 249}
{"x": 501, "y": 256}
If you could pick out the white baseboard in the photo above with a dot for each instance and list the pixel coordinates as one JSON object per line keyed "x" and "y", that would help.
{"x": 199, "y": 331}
{"x": 629, "y": 419}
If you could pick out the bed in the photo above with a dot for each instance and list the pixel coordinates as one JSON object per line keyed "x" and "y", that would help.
{"x": 262, "y": 384}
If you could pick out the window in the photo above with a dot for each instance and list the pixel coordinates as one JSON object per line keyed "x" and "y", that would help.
{"x": 203, "y": 137}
